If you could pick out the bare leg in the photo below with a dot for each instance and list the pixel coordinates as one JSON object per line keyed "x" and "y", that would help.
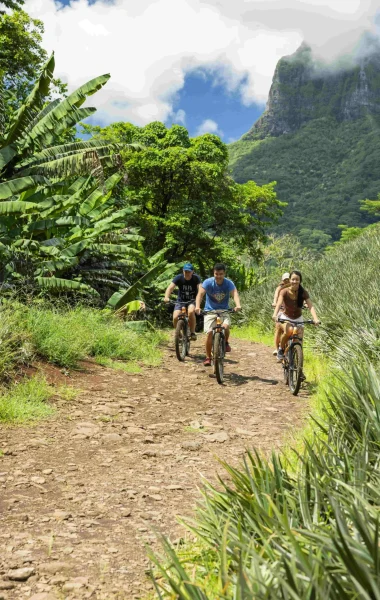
{"x": 277, "y": 336}
{"x": 226, "y": 332}
{"x": 176, "y": 314}
{"x": 208, "y": 344}
{"x": 192, "y": 320}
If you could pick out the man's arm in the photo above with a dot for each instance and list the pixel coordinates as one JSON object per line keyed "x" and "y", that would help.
{"x": 235, "y": 296}
{"x": 201, "y": 293}
{"x": 169, "y": 292}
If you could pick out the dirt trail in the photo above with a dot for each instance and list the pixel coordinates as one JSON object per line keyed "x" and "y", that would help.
{"x": 82, "y": 492}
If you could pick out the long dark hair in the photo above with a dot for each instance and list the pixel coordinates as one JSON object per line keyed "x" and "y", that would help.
{"x": 300, "y": 289}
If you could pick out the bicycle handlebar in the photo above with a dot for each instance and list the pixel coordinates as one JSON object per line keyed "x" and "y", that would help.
{"x": 307, "y": 322}
{"x": 216, "y": 311}
{"x": 174, "y": 302}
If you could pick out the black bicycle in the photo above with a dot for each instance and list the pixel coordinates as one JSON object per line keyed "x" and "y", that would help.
{"x": 182, "y": 331}
{"x": 218, "y": 343}
{"x": 293, "y": 356}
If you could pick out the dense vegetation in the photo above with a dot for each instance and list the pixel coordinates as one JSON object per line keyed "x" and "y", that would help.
{"x": 322, "y": 171}
{"x": 308, "y": 527}
{"x": 186, "y": 200}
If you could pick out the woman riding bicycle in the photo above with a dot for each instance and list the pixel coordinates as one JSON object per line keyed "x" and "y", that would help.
{"x": 292, "y": 300}
{"x": 285, "y": 282}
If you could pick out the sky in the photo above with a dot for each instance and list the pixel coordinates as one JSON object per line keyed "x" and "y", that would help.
{"x": 206, "y": 64}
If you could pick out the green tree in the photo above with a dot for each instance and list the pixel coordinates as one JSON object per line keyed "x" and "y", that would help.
{"x": 187, "y": 200}
{"x": 22, "y": 57}
{"x": 315, "y": 239}
{"x": 371, "y": 206}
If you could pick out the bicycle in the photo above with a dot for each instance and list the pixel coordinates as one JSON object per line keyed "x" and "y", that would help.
{"x": 182, "y": 331}
{"x": 293, "y": 356}
{"x": 218, "y": 343}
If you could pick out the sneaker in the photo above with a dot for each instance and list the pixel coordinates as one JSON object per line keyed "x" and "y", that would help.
{"x": 193, "y": 337}
{"x": 274, "y": 352}
{"x": 228, "y": 347}
{"x": 280, "y": 354}
{"x": 207, "y": 362}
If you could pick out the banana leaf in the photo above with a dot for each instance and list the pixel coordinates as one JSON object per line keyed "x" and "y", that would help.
{"x": 17, "y": 207}
{"x": 34, "y": 102}
{"x": 120, "y": 299}
{"x": 56, "y": 283}
{"x": 13, "y": 187}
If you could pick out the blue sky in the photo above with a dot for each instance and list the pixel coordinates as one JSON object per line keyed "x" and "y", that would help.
{"x": 205, "y": 101}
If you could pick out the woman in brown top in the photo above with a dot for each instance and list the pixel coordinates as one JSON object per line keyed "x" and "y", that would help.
{"x": 292, "y": 299}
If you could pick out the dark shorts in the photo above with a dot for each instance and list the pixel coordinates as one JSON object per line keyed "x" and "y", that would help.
{"x": 178, "y": 305}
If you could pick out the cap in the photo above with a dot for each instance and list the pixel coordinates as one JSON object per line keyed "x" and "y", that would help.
{"x": 285, "y": 276}
{"x": 188, "y": 267}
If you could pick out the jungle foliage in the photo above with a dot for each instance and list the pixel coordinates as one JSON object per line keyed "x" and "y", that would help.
{"x": 187, "y": 201}
{"x": 322, "y": 172}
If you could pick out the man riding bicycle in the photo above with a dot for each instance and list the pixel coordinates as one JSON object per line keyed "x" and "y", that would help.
{"x": 188, "y": 285}
{"x": 218, "y": 290}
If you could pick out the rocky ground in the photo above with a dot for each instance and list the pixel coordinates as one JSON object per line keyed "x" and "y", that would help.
{"x": 81, "y": 493}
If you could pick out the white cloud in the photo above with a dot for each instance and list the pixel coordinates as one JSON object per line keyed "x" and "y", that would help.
{"x": 179, "y": 117}
{"x": 208, "y": 126}
{"x": 149, "y": 46}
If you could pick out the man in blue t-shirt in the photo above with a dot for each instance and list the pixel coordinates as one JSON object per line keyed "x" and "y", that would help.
{"x": 218, "y": 290}
{"x": 187, "y": 283}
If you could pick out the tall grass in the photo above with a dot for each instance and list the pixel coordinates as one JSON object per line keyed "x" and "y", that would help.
{"x": 307, "y": 528}
{"x": 345, "y": 288}
{"x": 65, "y": 335}
{"x": 26, "y": 400}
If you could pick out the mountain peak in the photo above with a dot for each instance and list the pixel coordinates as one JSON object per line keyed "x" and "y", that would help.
{"x": 304, "y": 88}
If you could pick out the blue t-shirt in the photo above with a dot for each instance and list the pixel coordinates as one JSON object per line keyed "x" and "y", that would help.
{"x": 217, "y": 296}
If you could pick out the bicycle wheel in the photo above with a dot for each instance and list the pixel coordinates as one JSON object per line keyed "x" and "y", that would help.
{"x": 180, "y": 340}
{"x": 295, "y": 368}
{"x": 218, "y": 357}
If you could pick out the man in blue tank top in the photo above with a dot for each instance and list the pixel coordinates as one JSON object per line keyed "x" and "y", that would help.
{"x": 218, "y": 290}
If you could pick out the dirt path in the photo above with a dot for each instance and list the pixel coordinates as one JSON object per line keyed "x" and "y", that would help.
{"x": 81, "y": 493}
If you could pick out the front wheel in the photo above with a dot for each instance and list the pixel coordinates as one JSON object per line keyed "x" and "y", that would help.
{"x": 218, "y": 350}
{"x": 181, "y": 340}
{"x": 295, "y": 368}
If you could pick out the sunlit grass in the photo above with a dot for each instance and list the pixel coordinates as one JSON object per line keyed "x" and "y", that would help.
{"x": 26, "y": 401}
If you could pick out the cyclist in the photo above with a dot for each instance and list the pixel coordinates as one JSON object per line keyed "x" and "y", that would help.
{"x": 284, "y": 284}
{"x": 187, "y": 283}
{"x": 218, "y": 290}
{"x": 292, "y": 299}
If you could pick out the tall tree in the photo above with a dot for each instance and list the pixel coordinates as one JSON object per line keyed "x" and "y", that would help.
{"x": 187, "y": 200}
{"x": 22, "y": 57}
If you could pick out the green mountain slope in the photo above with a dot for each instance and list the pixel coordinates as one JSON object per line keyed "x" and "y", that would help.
{"x": 319, "y": 138}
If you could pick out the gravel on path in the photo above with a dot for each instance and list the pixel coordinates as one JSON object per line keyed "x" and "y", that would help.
{"x": 81, "y": 493}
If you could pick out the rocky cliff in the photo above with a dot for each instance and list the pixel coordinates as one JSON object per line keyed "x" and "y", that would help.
{"x": 304, "y": 89}
{"x": 319, "y": 139}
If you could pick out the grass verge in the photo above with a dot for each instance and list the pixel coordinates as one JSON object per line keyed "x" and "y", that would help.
{"x": 26, "y": 401}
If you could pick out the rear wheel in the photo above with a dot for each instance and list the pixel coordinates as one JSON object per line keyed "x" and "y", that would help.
{"x": 219, "y": 357}
{"x": 181, "y": 340}
{"x": 295, "y": 368}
